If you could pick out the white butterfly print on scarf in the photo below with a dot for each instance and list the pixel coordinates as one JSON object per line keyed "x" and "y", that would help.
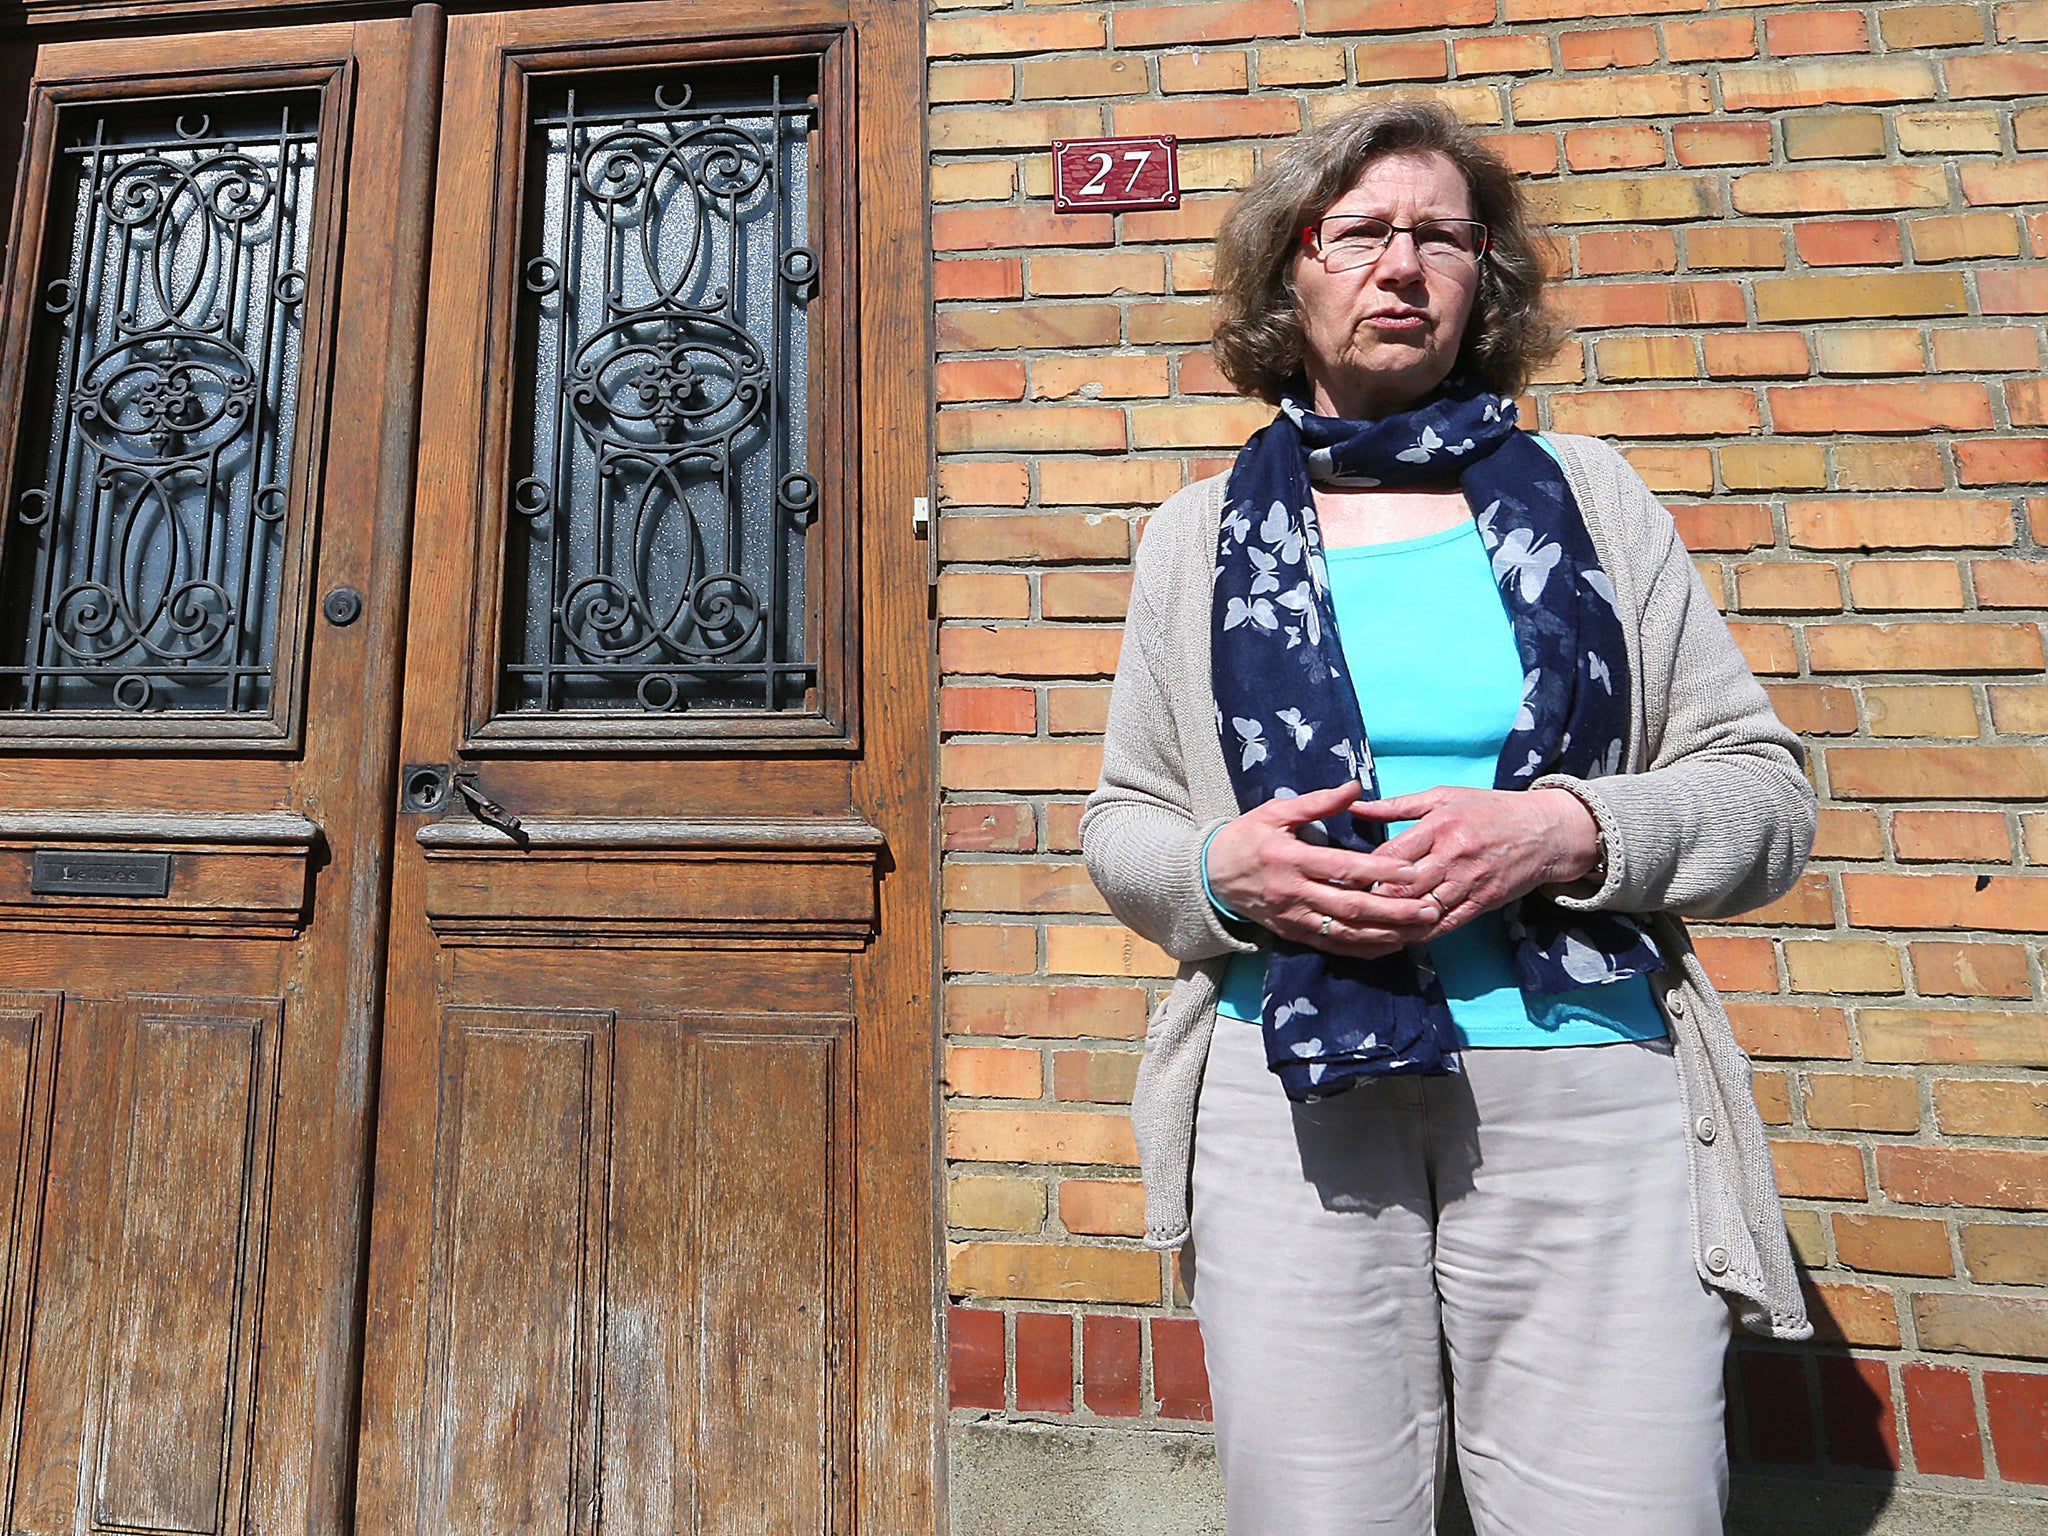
{"x": 1280, "y": 532}
{"x": 1523, "y": 558}
{"x": 1265, "y": 565}
{"x": 1525, "y": 717}
{"x": 1253, "y": 737}
{"x": 1598, "y": 670}
{"x": 1258, "y": 611}
{"x": 1303, "y": 602}
{"x": 1302, "y": 730}
{"x": 1300, "y": 1008}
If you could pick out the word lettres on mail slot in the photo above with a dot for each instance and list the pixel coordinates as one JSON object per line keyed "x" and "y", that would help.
{"x": 1108, "y": 175}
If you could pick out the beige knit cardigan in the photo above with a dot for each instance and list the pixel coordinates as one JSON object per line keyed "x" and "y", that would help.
{"x": 1711, "y": 815}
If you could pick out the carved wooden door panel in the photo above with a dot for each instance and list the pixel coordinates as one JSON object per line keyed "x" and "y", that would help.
{"x": 652, "y": 1244}
{"x": 194, "y": 807}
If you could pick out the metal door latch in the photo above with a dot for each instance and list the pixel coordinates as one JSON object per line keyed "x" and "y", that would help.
{"x": 481, "y": 805}
{"x": 425, "y": 788}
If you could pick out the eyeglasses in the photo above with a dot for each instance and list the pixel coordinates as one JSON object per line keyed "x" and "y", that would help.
{"x": 1347, "y": 241}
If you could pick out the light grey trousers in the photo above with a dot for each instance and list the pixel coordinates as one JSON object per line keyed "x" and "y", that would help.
{"x": 1527, "y": 1222}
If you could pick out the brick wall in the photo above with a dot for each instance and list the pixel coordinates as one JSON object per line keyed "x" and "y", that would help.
{"x": 1804, "y": 245}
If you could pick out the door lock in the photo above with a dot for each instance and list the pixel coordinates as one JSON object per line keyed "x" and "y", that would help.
{"x": 425, "y": 788}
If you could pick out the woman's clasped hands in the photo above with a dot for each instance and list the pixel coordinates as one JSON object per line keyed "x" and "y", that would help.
{"x": 1468, "y": 851}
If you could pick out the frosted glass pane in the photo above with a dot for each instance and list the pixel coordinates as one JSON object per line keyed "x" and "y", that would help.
{"x": 145, "y": 546}
{"x": 661, "y": 490}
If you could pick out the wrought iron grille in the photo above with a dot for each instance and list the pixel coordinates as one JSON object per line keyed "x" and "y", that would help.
{"x": 144, "y": 554}
{"x": 662, "y": 485}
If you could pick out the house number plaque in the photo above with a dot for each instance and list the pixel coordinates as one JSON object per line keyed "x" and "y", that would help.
{"x": 1107, "y": 175}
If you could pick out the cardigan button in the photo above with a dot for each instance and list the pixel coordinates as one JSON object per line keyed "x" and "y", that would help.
{"x": 1674, "y": 1003}
{"x": 1717, "y": 1260}
{"x": 1704, "y": 1128}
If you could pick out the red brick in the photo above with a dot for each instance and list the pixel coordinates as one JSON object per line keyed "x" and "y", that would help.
{"x": 1989, "y": 1180}
{"x": 1045, "y": 1362}
{"x": 1960, "y": 647}
{"x": 1722, "y": 143}
{"x": 1942, "y": 1419}
{"x": 1215, "y": 118}
{"x": 1638, "y": 413}
{"x": 1046, "y": 1012}
{"x": 1395, "y": 15}
{"x": 1856, "y": 1408}
{"x": 1832, "y": 82}
{"x": 1793, "y": 1031}
{"x": 1036, "y": 538}
{"x": 1880, "y": 408}
{"x": 1847, "y": 242}
{"x": 1111, "y": 1366}
{"x": 1009, "y": 711}
{"x": 1020, "y": 768}
{"x": 989, "y": 828}
{"x": 1853, "y": 1314}
{"x": 1951, "y": 837}
{"x": 1731, "y": 525}
{"x": 2005, "y": 461}
{"x": 1818, "y": 1170}
{"x": 1033, "y": 224}
{"x": 1630, "y": 146}
{"x": 1901, "y": 523}
{"x": 1601, "y": 305}
{"x": 1718, "y": 37}
{"x": 2014, "y": 292}
{"x": 2016, "y": 1404}
{"x": 1428, "y": 60}
{"x": 2026, "y": 402}
{"x": 1969, "y": 970}
{"x": 1180, "y": 1372}
{"x": 1609, "y": 48}
{"x": 1809, "y": 32}
{"x": 1103, "y": 1207}
{"x": 1236, "y": 21}
{"x": 1776, "y": 1407}
{"x": 1756, "y": 355}
{"x": 974, "y": 1358}
{"x": 997, "y": 277}
{"x": 1738, "y": 964}
{"x": 979, "y": 484}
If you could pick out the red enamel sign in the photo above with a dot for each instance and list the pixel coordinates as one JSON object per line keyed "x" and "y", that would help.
{"x": 1097, "y": 175}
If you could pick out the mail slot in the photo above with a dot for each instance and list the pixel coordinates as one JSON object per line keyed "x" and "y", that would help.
{"x": 71, "y": 872}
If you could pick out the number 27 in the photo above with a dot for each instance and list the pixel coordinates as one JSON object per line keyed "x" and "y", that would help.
{"x": 1099, "y": 182}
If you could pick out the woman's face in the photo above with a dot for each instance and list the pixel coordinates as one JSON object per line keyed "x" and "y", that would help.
{"x": 1380, "y": 337}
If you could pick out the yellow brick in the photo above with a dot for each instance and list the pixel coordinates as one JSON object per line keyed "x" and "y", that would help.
{"x": 1930, "y": 26}
{"x": 1301, "y": 64}
{"x": 1550, "y": 101}
{"x": 1039, "y": 1136}
{"x": 1646, "y": 357}
{"x": 1866, "y": 295}
{"x": 1871, "y": 352}
{"x": 1843, "y": 965}
{"x": 1834, "y": 136}
{"x": 1931, "y": 709}
{"x": 972, "y": 82}
{"x": 1097, "y": 378}
{"x": 1189, "y": 73}
{"x": 1964, "y": 236}
{"x": 1626, "y": 200}
{"x": 1947, "y": 133}
{"x": 1049, "y": 1272}
{"x": 1905, "y": 585}
{"x": 1773, "y": 466}
{"x": 1103, "y": 950}
{"x": 1197, "y": 426}
{"x": 1841, "y": 189}
{"x": 1075, "y": 79}
{"x": 974, "y": 181}
{"x": 987, "y": 1204}
{"x": 1010, "y": 127}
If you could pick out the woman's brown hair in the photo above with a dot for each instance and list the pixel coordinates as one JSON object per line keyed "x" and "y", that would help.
{"x": 1258, "y": 342}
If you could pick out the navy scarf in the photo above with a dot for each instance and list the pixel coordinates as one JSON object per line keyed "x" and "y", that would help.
{"x": 1290, "y": 720}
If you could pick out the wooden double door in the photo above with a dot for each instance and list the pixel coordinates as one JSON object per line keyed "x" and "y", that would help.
{"x": 465, "y": 830}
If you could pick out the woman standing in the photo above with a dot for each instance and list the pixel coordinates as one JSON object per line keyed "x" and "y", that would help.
{"x": 1424, "y": 735}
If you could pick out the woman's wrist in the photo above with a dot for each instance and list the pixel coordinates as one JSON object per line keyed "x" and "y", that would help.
{"x": 1578, "y": 847}
{"x": 1223, "y": 910}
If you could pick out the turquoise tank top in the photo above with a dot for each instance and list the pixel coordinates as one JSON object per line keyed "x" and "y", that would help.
{"x": 1439, "y": 682}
